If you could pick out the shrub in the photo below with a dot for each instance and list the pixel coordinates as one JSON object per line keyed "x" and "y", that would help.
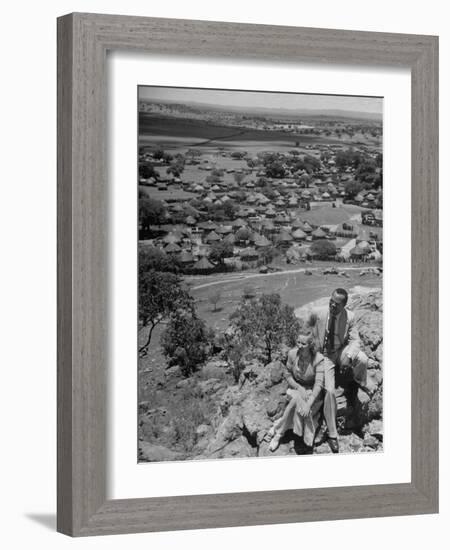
{"x": 184, "y": 410}
{"x": 323, "y": 248}
{"x": 186, "y": 340}
{"x": 151, "y": 212}
{"x": 160, "y": 294}
{"x": 248, "y": 292}
{"x": 265, "y": 322}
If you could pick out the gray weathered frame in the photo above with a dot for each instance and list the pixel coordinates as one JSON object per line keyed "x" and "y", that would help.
{"x": 83, "y": 41}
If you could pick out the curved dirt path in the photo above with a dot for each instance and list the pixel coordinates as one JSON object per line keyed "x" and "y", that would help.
{"x": 252, "y": 275}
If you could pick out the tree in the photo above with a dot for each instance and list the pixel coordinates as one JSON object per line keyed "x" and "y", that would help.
{"x": 216, "y": 212}
{"x": 323, "y": 248}
{"x": 234, "y": 350}
{"x": 265, "y": 321}
{"x": 347, "y": 158}
{"x": 237, "y": 155}
{"x": 243, "y": 234}
{"x": 248, "y": 293}
{"x": 366, "y": 171}
{"x": 152, "y": 258}
{"x": 352, "y": 188}
{"x": 230, "y": 209}
{"x": 160, "y": 295}
{"x": 268, "y": 191}
{"x": 158, "y": 154}
{"x": 275, "y": 170}
{"x": 186, "y": 340}
{"x": 167, "y": 158}
{"x": 176, "y": 168}
{"x": 238, "y": 177}
{"x": 151, "y": 212}
{"x": 269, "y": 254}
{"x": 215, "y": 298}
{"x": 146, "y": 170}
{"x": 221, "y": 250}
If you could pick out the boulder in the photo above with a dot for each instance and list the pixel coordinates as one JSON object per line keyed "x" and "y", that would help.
{"x": 156, "y": 453}
{"x": 211, "y": 386}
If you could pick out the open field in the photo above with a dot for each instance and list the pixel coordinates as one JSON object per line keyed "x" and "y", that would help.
{"x": 294, "y": 286}
{"x": 198, "y": 129}
{"x": 180, "y": 133}
{"x": 295, "y": 289}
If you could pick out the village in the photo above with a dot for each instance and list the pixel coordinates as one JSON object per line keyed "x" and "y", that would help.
{"x": 225, "y": 210}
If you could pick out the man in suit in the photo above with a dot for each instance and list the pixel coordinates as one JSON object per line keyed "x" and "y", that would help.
{"x": 338, "y": 339}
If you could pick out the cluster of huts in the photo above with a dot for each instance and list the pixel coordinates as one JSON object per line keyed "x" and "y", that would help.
{"x": 291, "y": 235}
{"x": 297, "y": 190}
{"x": 260, "y": 223}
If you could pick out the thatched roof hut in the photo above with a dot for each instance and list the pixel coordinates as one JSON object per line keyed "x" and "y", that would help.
{"x": 172, "y": 248}
{"x": 357, "y": 251}
{"x": 298, "y": 234}
{"x": 230, "y": 238}
{"x": 262, "y": 242}
{"x": 203, "y": 264}
{"x": 171, "y": 238}
{"x": 284, "y": 237}
{"x": 224, "y": 229}
{"x": 296, "y": 253}
{"x": 186, "y": 257}
{"x": 318, "y": 234}
{"x": 249, "y": 255}
{"x": 212, "y": 237}
{"x": 207, "y": 226}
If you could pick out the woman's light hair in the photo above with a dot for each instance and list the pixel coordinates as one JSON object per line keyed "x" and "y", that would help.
{"x": 310, "y": 340}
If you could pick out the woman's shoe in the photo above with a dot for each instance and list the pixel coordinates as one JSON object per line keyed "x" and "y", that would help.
{"x": 275, "y": 443}
{"x": 271, "y": 432}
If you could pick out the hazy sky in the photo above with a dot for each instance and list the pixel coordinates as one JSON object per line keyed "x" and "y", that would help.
{"x": 270, "y": 100}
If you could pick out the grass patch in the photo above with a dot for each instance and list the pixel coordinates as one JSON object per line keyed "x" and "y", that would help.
{"x": 175, "y": 417}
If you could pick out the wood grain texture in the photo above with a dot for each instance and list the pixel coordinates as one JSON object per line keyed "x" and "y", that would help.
{"x": 83, "y": 40}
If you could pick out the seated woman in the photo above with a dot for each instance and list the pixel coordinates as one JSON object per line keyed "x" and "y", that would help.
{"x": 305, "y": 375}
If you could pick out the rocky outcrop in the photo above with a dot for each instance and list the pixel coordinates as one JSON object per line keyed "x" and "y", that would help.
{"x": 156, "y": 453}
{"x": 235, "y": 418}
{"x": 246, "y": 411}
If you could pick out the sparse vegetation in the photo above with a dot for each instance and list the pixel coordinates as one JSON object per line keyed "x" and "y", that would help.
{"x": 186, "y": 340}
{"x": 265, "y": 322}
{"x": 215, "y": 298}
{"x": 160, "y": 295}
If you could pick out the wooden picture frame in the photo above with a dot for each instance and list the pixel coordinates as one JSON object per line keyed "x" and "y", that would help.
{"x": 83, "y": 41}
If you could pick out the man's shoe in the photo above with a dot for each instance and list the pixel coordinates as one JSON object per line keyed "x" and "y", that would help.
{"x": 333, "y": 444}
{"x": 275, "y": 443}
{"x": 370, "y": 391}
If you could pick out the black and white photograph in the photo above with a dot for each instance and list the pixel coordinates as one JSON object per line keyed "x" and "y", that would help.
{"x": 260, "y": 274}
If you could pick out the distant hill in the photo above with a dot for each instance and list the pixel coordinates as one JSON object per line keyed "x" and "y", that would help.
{"x": 311, "y": 114}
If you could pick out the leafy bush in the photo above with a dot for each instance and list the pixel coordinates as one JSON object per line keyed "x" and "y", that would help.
{"x": 221, "y": 250}
{"x": 185, "y": 410}
{"x": 160, "y": 294}
{"x": 151, "y": 212}
{"x": 152, "y": 258}
{"x": 186, "y": 340}
{"x": 323, "y": 248}
{"x": 248, "y": 292}
{"x": 234, "y": 351}
{"x": 265, "y": 322}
